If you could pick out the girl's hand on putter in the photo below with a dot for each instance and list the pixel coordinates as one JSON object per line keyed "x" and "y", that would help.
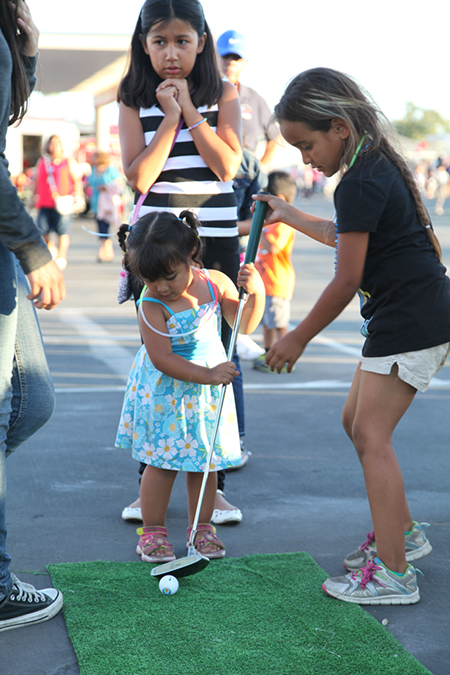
{"x": 286, "y": 351}
{"x": 224, "y": 373}
{"x": 250, "y": 279}
{"x": 278, "y": 210}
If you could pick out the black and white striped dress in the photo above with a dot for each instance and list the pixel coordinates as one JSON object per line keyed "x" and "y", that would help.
{"x": 186, "y": 181}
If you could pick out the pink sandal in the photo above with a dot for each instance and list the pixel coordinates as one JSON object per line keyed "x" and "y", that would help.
{"x": 154, "y": 539}
{"x": 205, "y": 536}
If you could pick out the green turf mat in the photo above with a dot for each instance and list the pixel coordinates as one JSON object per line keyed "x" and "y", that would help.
{"x": 240, "y": 616}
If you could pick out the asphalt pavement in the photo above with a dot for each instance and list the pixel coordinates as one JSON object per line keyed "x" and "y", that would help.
{"x": 302, "y": 488}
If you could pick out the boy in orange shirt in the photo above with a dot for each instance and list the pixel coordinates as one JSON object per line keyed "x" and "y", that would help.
{"x": 273, "y": 262}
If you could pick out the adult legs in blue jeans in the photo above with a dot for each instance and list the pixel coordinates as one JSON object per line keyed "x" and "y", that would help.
{"x": 26, "y": 389}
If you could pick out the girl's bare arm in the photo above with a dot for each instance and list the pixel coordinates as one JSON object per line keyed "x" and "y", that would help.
{"x": 352, "y": 250}
{"x": 159, "y": 350}
{"x": 222, "y": 151}
{"x": 279, "y": 210}
{"x": 142, "y": 164}
{"x": 251, "y": 281}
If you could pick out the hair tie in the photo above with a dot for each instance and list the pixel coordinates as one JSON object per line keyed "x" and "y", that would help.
{"x": 130, "y": 226}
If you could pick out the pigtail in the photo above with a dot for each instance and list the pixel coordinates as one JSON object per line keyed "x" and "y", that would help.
{"x": 192, "y": 221}
{"x": 122, "y": 233}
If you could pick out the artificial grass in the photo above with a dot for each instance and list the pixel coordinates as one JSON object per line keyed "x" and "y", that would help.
{"x": 240, "y": 616}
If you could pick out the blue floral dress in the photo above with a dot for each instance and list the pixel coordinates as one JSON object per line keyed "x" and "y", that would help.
{"x": 168, "y": 423}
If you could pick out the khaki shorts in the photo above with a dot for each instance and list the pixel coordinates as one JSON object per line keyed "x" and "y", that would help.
{"x": 414, "y": 368}
{"x": 276, "y": 312}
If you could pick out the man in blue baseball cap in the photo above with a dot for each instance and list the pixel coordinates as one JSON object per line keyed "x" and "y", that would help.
{"x": 255, "y": 112}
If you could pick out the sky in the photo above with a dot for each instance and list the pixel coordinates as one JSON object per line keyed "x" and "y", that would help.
{"x": 397, "y": 49}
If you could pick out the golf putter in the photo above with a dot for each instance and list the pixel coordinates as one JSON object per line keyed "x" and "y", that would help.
{"x": 194, "y": 561}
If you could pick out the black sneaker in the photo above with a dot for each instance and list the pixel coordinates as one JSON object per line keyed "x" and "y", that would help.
{"x": 25, "y": 605}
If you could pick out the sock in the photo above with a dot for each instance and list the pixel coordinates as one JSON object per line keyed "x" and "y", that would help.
{"x": 397, "y": 574}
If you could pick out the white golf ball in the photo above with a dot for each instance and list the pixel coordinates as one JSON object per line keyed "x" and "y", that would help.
{"x": 168, "y": 585}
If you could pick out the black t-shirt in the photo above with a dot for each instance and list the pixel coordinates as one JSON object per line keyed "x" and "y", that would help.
{"x": 406, "y": 290}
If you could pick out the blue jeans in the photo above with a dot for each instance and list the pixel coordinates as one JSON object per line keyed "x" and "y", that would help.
{"x": 49, "y": 220}
{"x": 27, "y": 397}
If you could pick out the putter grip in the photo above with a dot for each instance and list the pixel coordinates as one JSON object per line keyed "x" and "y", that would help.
{"x": 255, "y": 231}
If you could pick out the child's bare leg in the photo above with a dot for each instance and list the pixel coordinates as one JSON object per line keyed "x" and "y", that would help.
{"x": 51, "y": 246}
{"x": 193, "y": 484}
{"x": 348, "y": 417}
{"x": 268, "y": 337}
{"x": 64, "y": 242}
{"x": 381, "y": 403}
{"x": 281, "y": 332}
{"x": 156, "y": 488}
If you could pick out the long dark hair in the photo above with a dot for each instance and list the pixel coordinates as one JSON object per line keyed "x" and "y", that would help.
{"x": 158, "y": 242}
{"x": 317, "y": 96}
{"x": 20, "y": 88}
{"x": 137, "y": 88}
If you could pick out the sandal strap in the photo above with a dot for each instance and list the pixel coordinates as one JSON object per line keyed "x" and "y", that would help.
{"x": 153, "y": 538}
{"x": 205, "y": 535}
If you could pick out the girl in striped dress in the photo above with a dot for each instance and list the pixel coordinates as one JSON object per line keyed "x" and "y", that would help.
{"x": 180, "y": 130}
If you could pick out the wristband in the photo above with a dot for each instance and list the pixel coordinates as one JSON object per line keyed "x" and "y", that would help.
{"x": 197, "y": 124}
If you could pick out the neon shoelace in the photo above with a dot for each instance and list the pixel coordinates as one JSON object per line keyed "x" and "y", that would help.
{"x": 366, "y": 573}
{"x": 370, "y": 540}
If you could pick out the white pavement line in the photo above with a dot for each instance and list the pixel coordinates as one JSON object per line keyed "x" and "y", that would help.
{"x": 435, "y": 383}
{"x": 317, "y": 384}
{"x": 89, "y": 390}
{"x": 102, "y": 345}
{"x": 338, "y": 346}
{"x": 105, "y": 348}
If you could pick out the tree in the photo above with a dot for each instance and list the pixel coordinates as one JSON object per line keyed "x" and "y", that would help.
{"x": 420, "y": 122}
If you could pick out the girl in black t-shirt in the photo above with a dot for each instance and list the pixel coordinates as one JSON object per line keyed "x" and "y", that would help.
{"x": 386, "y": 251}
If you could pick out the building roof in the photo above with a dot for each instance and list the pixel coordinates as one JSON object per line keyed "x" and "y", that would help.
{"x": 82, "y": 63}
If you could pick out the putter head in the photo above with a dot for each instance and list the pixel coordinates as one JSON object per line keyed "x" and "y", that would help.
{"x": 183, "y": 567}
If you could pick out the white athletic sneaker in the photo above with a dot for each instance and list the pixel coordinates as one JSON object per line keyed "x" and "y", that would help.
{"x": 375, "y": 584}
{"x": 247, "y": 348}
{"x": 417, "y": 546}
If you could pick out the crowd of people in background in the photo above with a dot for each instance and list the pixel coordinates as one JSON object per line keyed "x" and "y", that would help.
{"x": 433, "y": 177}
{"x": 434, "y": 180}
